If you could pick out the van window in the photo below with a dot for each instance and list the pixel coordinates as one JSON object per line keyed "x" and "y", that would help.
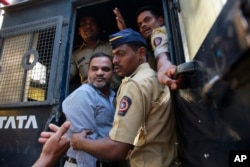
{"x": 25, "y": 69}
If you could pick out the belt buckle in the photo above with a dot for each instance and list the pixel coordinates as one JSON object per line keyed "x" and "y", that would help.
{"x": 71, "y": 160}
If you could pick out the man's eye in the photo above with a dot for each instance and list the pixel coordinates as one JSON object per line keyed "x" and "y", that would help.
{"x": 121, "y": 53}
{"x": 94, "y": 69}
{"x": 106, "y": 69}
{"x": 147, "y": 19}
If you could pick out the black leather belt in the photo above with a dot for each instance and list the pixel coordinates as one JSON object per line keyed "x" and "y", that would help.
{"x": 71, "y": 160}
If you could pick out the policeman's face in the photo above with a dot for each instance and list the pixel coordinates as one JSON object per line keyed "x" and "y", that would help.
{"x": 126, "y": 60}
{"x": 100, "y": 72}
{"x": 146, "y": 22}
{"x": 88, "y": 28}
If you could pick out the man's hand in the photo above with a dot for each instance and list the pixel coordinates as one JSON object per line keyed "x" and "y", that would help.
{"x": 166, "y": 77}
{"x": 119, "y": 19}
{"x": 78, "y": 139}
{"x": 56, "y": 144}
{"x": 44, "y": 136}
{"x": 166, "y": 72}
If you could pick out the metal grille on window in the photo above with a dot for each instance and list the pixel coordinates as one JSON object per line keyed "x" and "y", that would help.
{"x": 25, "y": 61}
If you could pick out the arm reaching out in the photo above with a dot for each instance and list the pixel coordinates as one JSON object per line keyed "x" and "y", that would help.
{"x": 56, "y": 144}
{"x": 165, "y": 69}
{"x": 104, "y": 148}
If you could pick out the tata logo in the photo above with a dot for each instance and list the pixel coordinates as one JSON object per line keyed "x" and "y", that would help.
{"x": 18, "y": 122}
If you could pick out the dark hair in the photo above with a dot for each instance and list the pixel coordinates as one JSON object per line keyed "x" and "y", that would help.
{"x": 136, "y": 45}
{"x": 101, "y": 54}
{"x": 91, "y": 16}
{"x": 155, "y": 11}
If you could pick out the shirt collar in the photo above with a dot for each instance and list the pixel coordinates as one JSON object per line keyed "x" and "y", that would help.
{"x": 139, "y": 68}
{"x": 111, "y": 92}
{"x": 99, "y": 42}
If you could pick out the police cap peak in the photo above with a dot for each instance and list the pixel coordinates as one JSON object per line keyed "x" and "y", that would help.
{"x": 126, "y": 36}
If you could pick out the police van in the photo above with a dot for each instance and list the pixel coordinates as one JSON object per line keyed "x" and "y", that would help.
{"x": 208, "y": 40}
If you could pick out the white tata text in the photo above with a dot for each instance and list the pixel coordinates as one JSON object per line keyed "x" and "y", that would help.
{"x": 18, "y": 122}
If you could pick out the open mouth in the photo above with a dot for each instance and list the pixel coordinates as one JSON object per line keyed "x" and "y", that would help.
{"x": 88, "y": 32}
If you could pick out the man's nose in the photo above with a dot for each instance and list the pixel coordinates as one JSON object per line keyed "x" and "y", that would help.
{"x": 100, "y": 72}
{"x": 115, "y": 60}
{"x": 143, "y": 25}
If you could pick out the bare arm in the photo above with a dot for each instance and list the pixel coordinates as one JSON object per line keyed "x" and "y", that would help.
{"x": 165, "y": 69}
{"x": 166, "y": 72}
{"x": 104, "y": 149}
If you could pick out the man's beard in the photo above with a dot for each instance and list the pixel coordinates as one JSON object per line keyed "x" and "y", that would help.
{"x": 99, "y": 85}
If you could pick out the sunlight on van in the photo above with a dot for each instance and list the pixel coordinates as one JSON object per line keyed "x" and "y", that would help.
{"x": 198, "y": 21}
{"x": 1, "y": 18}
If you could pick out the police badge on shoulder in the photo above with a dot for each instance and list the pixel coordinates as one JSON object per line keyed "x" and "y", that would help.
{"x": 124, "y": 105}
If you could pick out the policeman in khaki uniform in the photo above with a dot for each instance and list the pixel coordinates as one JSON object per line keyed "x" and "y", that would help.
{"x": 144, "y": 126}
{"x": 151, "y": 26}
{"x": 89, "y": 31}
{"x": 81, "y": 57}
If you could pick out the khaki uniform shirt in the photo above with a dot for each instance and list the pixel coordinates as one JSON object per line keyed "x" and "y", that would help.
{"x": 159, "y": 44}
{"x": 80, "y": 61}
{"x": 143, "y": 118}
{"x": 159, "y": 40}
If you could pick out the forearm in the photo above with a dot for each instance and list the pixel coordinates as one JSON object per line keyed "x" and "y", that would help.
{"x": 45, "y": 161}
{"x": 163, "y": 63}
{"x": 104, "y": 149}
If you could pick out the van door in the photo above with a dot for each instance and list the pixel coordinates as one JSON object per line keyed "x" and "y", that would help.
{"x": 213, "y": 107}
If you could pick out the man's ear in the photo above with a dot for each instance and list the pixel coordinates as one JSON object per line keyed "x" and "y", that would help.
{"x": 142, "y": 53}
{"x": 160, "y": 19}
